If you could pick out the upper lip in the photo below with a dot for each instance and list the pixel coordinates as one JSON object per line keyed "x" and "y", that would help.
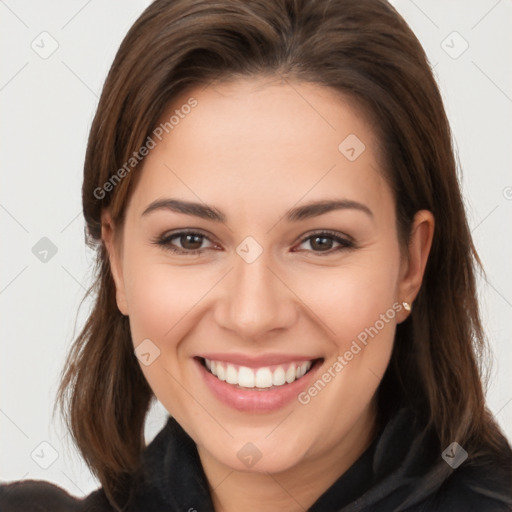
{"x": 256, "y": 361}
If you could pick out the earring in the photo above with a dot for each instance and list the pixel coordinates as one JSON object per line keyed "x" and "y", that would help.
{"x": 406, "y": 305}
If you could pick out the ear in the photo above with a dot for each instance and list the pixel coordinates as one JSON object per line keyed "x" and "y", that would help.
{"x": 415, "y": 261}
{"x": 112, "y": 240}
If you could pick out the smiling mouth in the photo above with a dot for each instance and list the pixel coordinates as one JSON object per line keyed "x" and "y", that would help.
{"x": 264, "y": 378}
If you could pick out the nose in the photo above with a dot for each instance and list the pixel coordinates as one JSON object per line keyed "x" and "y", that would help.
{"x": 255, "y": 301}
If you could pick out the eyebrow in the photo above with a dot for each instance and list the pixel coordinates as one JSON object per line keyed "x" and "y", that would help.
{"x": 294, "y": 215}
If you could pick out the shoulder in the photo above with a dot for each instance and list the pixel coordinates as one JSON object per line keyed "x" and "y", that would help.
{"x": 42, "y": 496}
{"x": 480, "y": 488}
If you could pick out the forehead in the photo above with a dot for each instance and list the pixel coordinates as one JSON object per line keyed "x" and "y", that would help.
{"x": 264, "y": 142}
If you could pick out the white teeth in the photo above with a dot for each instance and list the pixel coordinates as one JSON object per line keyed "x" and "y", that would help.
{"x": 221, "y": 372}
{"x": 245, "y": 377}
{"x": 261, "y": 378}
{"x": 278, "y": 377}
{"x": 291, "y": 374}
{"x": 302, "y": 369}
{"x": 231, "y": 374}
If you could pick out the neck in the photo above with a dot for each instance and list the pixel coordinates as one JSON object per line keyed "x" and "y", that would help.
{"x": 295, "y": 489}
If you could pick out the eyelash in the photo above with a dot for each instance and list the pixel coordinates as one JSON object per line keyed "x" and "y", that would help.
{"x": 165, "y": 242}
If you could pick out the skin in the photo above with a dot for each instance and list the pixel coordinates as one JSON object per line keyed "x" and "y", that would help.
{"x": 253, "y": 149}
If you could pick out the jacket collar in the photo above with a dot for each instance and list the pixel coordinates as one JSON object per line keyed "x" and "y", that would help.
{"x": 401, "y": 467}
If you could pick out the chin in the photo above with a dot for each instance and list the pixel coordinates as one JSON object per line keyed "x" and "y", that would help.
{"x": 265, "y": 460}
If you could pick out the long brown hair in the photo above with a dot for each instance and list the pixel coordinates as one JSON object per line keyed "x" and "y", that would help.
{"x": 364, "y": 50}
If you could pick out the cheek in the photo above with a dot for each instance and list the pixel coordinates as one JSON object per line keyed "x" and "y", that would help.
{"x": 161, "y": 301}
{"x": 356, "y": 304}
{"x": 159, "y": 296}
{"x": 353, "y": 297}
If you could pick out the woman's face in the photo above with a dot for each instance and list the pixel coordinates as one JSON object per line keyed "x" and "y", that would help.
{"x": 280, "y": 285}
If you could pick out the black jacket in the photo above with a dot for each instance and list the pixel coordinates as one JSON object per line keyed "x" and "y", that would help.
{"x": 401, "y": 471}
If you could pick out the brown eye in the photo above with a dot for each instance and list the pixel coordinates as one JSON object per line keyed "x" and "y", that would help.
{"x": 191, "y": 241}
{"x": 321, "y": 243}
{"x": 184, "y": 242}
{"x": 324, "y": 242}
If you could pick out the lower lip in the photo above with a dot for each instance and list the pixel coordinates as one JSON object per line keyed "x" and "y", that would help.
{"x": 253, "y": 399}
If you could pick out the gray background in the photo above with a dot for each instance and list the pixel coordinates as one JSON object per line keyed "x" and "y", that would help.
{"x": 47, "y": 104}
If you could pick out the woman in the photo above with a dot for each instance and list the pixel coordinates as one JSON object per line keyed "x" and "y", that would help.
{"x": 284, "y": 262}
